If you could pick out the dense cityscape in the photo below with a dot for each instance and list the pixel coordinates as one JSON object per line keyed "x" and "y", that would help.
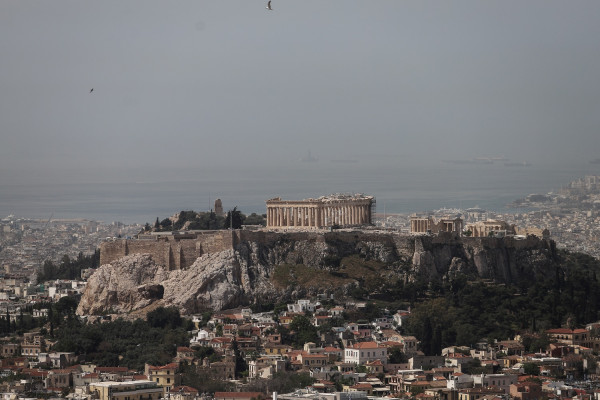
{"x": 313, "y": 348}
{"x": 299, "y": 200}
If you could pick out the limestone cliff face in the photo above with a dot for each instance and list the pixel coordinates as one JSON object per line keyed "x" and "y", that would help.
{"x": 131, "y": 282}
{"x": 244, "y": 273}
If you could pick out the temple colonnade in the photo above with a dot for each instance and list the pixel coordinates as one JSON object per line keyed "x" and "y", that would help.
{"x": 319, "y": 213}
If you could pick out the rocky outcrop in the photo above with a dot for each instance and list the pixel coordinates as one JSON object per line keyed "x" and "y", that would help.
{"x": 131, "y": 282}
{"x": 244, "y": 273}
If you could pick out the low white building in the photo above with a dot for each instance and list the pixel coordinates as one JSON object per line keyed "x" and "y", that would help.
{"x": 362, "y": 352}
{"x": 458, "y": 380}
{"x": 201, "y": 338}
{"x": 302, "y": 306}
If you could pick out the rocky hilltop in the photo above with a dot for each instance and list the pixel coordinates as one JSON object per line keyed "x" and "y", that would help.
{"x": 271, "y": 267}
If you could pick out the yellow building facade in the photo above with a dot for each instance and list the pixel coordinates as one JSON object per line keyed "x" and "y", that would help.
{"x": 132, "y": 390}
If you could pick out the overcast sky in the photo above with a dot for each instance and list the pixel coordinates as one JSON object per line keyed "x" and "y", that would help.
{"x": 196, "y": 83}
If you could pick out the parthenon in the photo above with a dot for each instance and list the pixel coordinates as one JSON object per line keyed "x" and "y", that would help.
{"x": 333, "y": 210}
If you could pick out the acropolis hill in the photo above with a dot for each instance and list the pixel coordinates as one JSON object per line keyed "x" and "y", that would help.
{"x": 228, "y": 268}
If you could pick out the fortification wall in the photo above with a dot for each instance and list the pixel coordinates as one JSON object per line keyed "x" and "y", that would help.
{"x": 159, "y": 250}
{"x": 173, "y": 253}
{"x": 181, "y": 253}
{"x": 215, "y": 241}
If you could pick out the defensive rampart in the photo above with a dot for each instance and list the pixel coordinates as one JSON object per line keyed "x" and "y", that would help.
{"x": 170, "y": 251}
{"x": 488, "y": 255}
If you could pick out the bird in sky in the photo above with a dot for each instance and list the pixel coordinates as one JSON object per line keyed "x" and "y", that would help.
{"x": 91, "y": 90}
{"x": 269, "y": 6}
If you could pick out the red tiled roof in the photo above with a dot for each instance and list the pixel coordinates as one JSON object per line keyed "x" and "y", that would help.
{"x": 391, "y": 343}
{"x": 34, "y": 373}
{"x": 314, "y": 356}
{"x": 184, "y": 389}
{"x": 168, "y": 366}
{"x": 238, "y": 395}
{"x": 110, "y": 370}
{"x": 221, "y": 339}
{"x": 60, "y": 371}
{"x": 362, "y": 386}
{"x": 364, "y": 345}
{"x": 566, "y": 331}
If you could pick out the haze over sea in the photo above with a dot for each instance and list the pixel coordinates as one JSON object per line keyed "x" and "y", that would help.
{"x": 406, "y": 188}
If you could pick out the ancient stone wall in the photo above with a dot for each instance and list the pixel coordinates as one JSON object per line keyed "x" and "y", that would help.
{"x": 214, "y": 241}
{"x": 175, "y": 253}
{"x": 159, "y": 250}
{"x": 171, "y": 252}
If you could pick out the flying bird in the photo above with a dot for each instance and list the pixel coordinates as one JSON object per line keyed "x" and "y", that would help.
{"x": 269, "y": 6}
{"x": 91, "y": 90}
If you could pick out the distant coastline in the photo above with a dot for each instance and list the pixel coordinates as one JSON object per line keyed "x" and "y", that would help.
{"x": 403, "y": 189}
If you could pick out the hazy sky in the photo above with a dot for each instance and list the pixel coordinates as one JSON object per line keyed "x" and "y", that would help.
{"x": 197, "y": 83}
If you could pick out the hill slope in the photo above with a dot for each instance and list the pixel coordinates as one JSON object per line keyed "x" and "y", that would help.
{"x": 294, "y": 265}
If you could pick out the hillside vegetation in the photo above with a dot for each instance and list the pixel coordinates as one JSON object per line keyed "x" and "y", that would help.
{"x": 463, "y": 310}
{"x": 372, "y": 276}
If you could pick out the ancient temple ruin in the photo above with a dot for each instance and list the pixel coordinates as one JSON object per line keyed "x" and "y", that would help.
{"x": 334, "y": 210}
{"x": 429, "y": 224}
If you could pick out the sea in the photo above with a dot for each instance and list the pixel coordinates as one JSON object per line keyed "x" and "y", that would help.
{"x": 398, "y": 188}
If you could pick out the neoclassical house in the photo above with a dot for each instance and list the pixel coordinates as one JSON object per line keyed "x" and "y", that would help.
{"x": 327, "y": 211}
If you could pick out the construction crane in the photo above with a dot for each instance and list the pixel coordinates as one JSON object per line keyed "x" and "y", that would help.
{"x": 48, "y": 222}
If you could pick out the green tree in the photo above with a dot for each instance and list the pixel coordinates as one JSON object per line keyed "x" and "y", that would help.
{"x": 164, "y": 318}
{"x": 234, "y": 219}
{"x": 396, "y": 355}
{"x": 531, "y": 369}
{"x": 240, "y": 363}
{"x": 204, "y": 384}
{"x": 255, "y": 219}
{"x": 304, "y": 330}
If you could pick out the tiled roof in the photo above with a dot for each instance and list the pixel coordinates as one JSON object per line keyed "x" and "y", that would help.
{"x": 168, "y": 366}
{"x": 364, "y": 345}
{"x": 566, "y": 331}
{"x": 238, "y": 395}
{"x": 184, "y": 389}
{"x": 110, "y": 370}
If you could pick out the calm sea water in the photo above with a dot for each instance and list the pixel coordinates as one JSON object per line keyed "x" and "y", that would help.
{"x": 398, "y": 189}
